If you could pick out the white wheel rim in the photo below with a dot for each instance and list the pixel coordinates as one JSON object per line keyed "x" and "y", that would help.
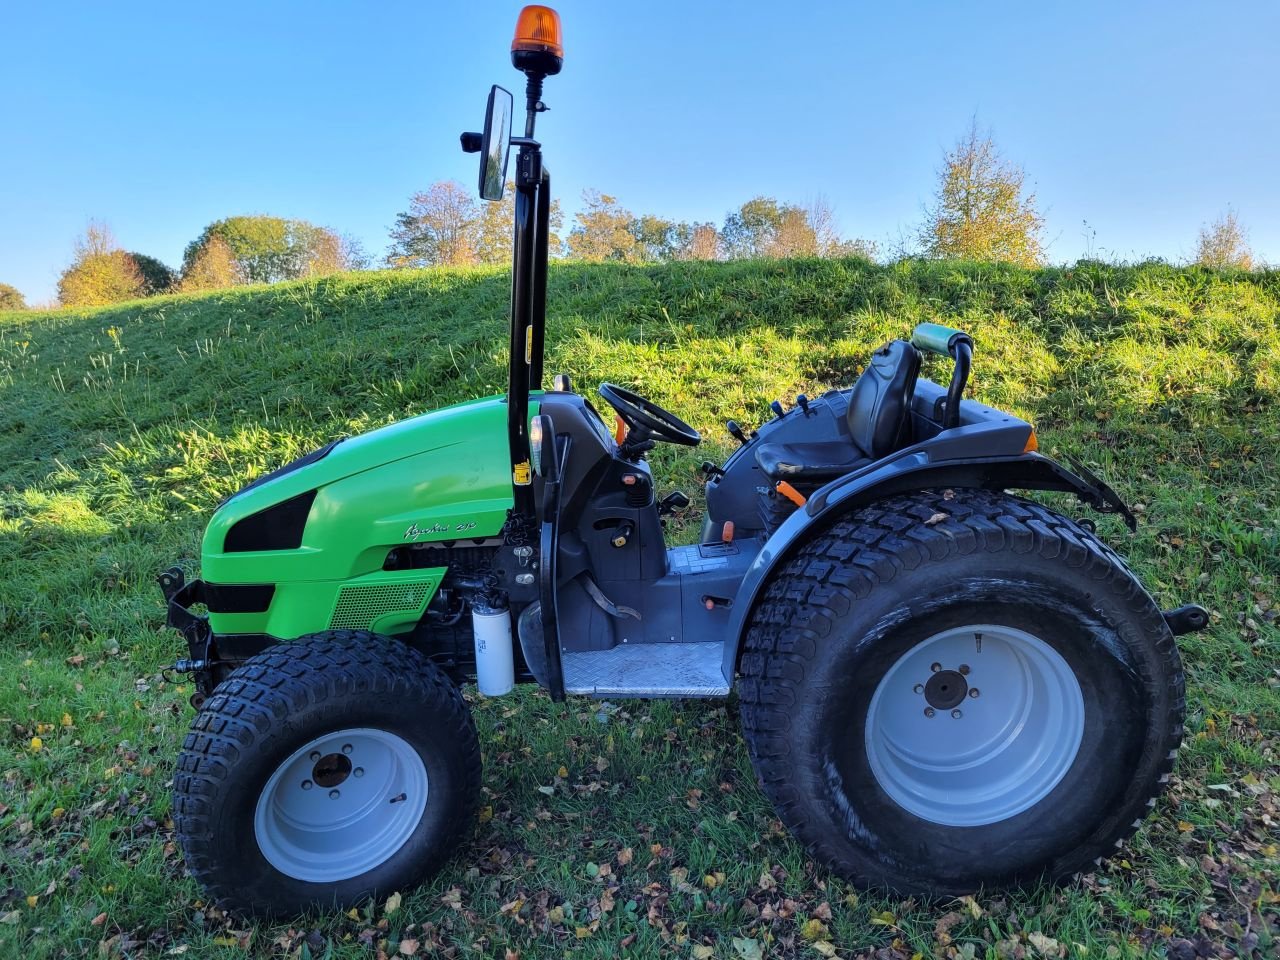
{"x": 341, "y": 805}
{"x": 962, "y": 758}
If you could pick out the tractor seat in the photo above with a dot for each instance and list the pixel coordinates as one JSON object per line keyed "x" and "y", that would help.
{"x": 877, "y": 418}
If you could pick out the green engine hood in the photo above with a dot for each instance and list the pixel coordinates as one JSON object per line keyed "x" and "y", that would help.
{"x": 437, "y": 476}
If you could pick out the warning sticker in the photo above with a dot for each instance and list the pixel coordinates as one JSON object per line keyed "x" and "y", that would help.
{"x": 521, "y": 475}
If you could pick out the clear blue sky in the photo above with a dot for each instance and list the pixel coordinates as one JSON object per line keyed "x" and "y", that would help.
{"x": 1144, "y": 119}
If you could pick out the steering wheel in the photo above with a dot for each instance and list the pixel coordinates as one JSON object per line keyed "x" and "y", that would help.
{"x": 646, "y": 420}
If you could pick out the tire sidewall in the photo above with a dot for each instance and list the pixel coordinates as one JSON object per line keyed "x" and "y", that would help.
{"x": 420, "y": 721}
{"x": 1098, "y": 635}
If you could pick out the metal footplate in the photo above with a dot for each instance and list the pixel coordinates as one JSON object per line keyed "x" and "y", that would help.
{"x": 647, "y": 671}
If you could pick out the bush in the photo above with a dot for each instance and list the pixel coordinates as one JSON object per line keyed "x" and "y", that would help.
{"x": 11, "y": 298}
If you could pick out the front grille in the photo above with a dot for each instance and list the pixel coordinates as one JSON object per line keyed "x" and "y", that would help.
{"x": 359, "y": 607}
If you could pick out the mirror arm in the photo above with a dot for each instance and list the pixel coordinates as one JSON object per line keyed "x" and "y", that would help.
{"x": 471, "y": 142}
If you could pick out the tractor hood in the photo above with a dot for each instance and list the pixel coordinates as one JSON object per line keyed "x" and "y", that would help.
{"x": 336, "y": 512}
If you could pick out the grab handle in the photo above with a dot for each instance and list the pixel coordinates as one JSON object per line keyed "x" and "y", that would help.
{"x": 948, "y": 342}
{"x": 936, "y": 338}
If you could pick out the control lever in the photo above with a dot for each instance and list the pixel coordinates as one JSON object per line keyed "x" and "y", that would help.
{"x": 622, "y": 533}
{"x": 776, "y": 407}
{"x": 736, "y": 432}
{"x": 673, "y": 501}
{"x": 711, "y": 470}
{"x": 803, "y": 402}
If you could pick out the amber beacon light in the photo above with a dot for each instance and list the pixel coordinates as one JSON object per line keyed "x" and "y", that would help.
{"x": 537, "y": 47}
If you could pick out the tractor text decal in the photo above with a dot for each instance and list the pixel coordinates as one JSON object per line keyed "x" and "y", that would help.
{"x": 437, "y": 529}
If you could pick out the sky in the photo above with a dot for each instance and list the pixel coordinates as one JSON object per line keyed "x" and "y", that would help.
{"x": 1135, "y": 122}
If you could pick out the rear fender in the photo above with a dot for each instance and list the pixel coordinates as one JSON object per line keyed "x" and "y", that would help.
{"x": 912, "y": 469}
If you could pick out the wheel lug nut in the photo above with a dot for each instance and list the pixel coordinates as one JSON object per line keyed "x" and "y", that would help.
{"x": 315, "y": 755}
{"x": 935, "y": 667}
{"x": 973, "y": 692}
{"x": 918, "y": 688}
{"x": 928, "y": 711}
{"x": 307, "y": 784}
{"x": 334, "y": 794}
{"x": 964, "y": 669}
{"x": 358, "y": 771}
{"x": 346, "y": 748}
{"x": 955, "y": 714}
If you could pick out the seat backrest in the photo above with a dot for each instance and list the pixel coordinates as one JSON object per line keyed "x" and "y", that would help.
{"x": 880, "y": 404}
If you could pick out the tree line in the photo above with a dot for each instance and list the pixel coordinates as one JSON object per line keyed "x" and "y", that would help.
{"x": 981, "y": 210}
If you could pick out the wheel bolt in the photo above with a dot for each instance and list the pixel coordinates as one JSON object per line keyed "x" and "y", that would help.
{"x": 935, "y": 667}
{"x": 973, "y": 692}
{"x": 955, "y": 714}
{"x": 918, "y": 688}
{"x": 307, "y": 784}
{"x": 964, "y": 669}
{"x": 358, "y": 771}
{"x": 334, "y": 794}
{"x": 315, "y": 755}
{"x": 928, "y": 711}
{"x": 346, "y": 748}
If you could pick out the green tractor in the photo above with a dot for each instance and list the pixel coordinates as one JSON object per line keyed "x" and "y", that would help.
{"x": 942, "y": 685}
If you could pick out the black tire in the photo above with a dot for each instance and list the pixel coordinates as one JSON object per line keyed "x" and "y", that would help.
{"x": 276, "y": 703}
{"x": 839, "y": 614}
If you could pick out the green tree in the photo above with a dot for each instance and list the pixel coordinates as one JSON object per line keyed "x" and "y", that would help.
{"x": 1224, "y": 244}
{"x": 603, "y": 231}
{"x": 156, "y": 276}
{"x": 11, "y": 298}
{"x": 749, "y": 231}
{"x": 981, "y": 211}
{"x": 268, "y": 249}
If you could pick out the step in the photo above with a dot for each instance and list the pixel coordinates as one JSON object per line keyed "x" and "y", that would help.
{"x": 647, "y": 671}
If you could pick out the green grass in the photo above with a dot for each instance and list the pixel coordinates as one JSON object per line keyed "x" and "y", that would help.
{"x": 625, "y": 827}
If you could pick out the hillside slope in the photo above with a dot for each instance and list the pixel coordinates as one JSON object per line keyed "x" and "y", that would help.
{"x": 121, "y": 428}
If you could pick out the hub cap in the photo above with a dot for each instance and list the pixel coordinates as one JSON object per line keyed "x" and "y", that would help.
{"x": 974, "y": 725}
{"x": 341, "y": 805}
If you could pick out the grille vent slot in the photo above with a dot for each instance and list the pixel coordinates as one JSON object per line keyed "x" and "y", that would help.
{"x": 359, "y": 607}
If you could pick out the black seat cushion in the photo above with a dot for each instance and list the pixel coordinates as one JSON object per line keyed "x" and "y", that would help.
{"x": 809, "y": 462}
{"x": 877, "y": 418}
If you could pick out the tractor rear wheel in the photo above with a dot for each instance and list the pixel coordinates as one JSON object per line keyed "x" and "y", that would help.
{"x": 953, "y": 689}
{"x": 323, "y": 772}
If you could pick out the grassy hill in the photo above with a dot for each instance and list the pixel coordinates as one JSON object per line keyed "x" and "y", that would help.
{"x": 121, "y": 428}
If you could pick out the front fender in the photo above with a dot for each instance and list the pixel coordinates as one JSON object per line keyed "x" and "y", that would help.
{"x": 910, "y": 470}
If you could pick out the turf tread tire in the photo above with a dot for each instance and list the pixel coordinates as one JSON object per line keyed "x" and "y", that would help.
{"x": 286, "y": 678}
{"x": 864, "y": 552}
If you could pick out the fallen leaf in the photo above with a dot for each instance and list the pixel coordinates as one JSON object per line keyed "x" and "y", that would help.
{"x": 392, "y": 904}
{"x": 32, "y": 900}
{"x": 824, "y": 947}
{"x": 624, "y": 856}
{"x": 36, "y": 744}
{"x": 13, "y": 916}
{"x": 935, "y": 519}
{"x": 814, "y": 930}
{"x": 408, "y": 947}
{"x": 1047, "y": 946}
{"x": 702, "y": 952}
{"x": 748, "y": 949}
{"x": 100, "y": 919}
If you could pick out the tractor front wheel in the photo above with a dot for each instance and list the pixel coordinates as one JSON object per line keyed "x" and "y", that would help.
{"x": 955, "y": 689}
{"x": 323, "y": 772}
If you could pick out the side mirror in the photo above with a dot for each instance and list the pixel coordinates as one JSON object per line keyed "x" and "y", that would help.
{"x": 494, "y": 144}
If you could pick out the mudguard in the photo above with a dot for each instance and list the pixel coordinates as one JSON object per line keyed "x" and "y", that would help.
{"x": 916, "y": 468}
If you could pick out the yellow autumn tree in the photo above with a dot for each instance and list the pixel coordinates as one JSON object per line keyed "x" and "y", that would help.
{"x": 982, "y": 210}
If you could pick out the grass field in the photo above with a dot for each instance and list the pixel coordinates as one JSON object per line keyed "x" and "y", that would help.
{"x": 624, "y": 828}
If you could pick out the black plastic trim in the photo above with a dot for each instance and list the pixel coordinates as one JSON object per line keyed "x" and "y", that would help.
{"x": 278, "y": 527}
{"x": 238, "y": 598}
